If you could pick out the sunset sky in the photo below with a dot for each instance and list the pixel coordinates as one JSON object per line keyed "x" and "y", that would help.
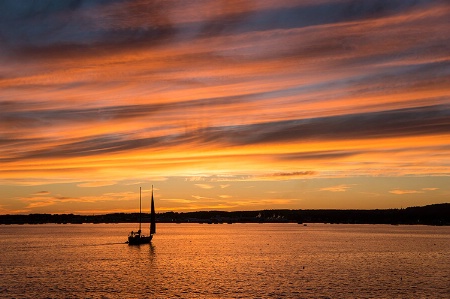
{"x": 223, "y": 105}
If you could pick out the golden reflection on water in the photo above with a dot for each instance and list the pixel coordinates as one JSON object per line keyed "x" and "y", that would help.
{"x": 226, "y": 261}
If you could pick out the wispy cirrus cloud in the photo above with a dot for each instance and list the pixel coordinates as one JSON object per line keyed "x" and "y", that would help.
{"x": 204, "y": 186}
{"x": 93, "y": 184}
{"x": 202, "y": 198}
{"x": 337, "y": 188}
{"x": 61, "y": 203}
{"x": 403, "y": 191}
{"x": 430, "y": 189}
{"x": 41, "y": 193}
{"x": 39, "y": 201}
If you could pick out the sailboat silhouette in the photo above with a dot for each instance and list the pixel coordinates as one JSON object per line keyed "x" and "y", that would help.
{"x": 137, "y": 238}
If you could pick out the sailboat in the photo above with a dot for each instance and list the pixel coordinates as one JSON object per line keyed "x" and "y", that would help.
{"x": 137, "y": 238}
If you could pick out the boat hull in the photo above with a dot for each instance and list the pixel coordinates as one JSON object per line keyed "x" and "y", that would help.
{"x": 137, "y": 240}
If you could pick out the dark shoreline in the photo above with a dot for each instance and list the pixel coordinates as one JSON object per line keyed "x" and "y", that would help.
{"x": 436, "y": 214}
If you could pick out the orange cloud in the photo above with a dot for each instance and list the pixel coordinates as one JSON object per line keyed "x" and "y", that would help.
{"x": 430, "y": 189}
{"x": 338, "y": 188}
{"x": 204, "y": 186}
{"x": 41, "y": 193}
{"x": 96, "y": 184}
{"x": 401, "y": 192}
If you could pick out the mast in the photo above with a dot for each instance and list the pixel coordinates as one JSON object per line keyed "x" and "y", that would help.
{"x": 152, "y": 216}
{"x": 140, "y": 208}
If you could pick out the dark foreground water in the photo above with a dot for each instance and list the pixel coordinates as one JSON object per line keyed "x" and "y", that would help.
{"x": 225, "y": 261}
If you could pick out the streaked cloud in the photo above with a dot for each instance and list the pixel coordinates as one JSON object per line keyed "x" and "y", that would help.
{"x": 110, "y": 93}
{"x": 401, "y": 192}
{"x": 338, "y": 188}
{"x": 41, "y": 193}
{"x": 294, "y": 174}
{"x": 198, "y": 197}
{"x": 204, "y": 186}
{"x": 33, "y": 202}
{"x": 96, "y": 184}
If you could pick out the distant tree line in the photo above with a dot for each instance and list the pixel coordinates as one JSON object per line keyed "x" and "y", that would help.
{"x": 437, "y": 214}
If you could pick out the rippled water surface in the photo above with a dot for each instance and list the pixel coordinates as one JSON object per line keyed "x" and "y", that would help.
{"x": 225, "y": 261}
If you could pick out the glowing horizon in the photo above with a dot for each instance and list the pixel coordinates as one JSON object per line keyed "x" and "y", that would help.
{"x": 224, "y": 105}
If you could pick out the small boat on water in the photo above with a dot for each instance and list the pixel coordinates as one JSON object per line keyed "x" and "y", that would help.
{"x": 137, "y": 238}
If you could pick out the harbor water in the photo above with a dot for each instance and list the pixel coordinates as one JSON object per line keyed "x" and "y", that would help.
{"x": 225, "y": 261}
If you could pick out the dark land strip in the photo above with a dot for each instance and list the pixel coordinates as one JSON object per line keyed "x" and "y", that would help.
{"x": 436, "y": 214}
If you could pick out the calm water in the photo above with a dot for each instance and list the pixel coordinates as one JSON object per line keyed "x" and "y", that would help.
{"x": 225, "y": 261}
